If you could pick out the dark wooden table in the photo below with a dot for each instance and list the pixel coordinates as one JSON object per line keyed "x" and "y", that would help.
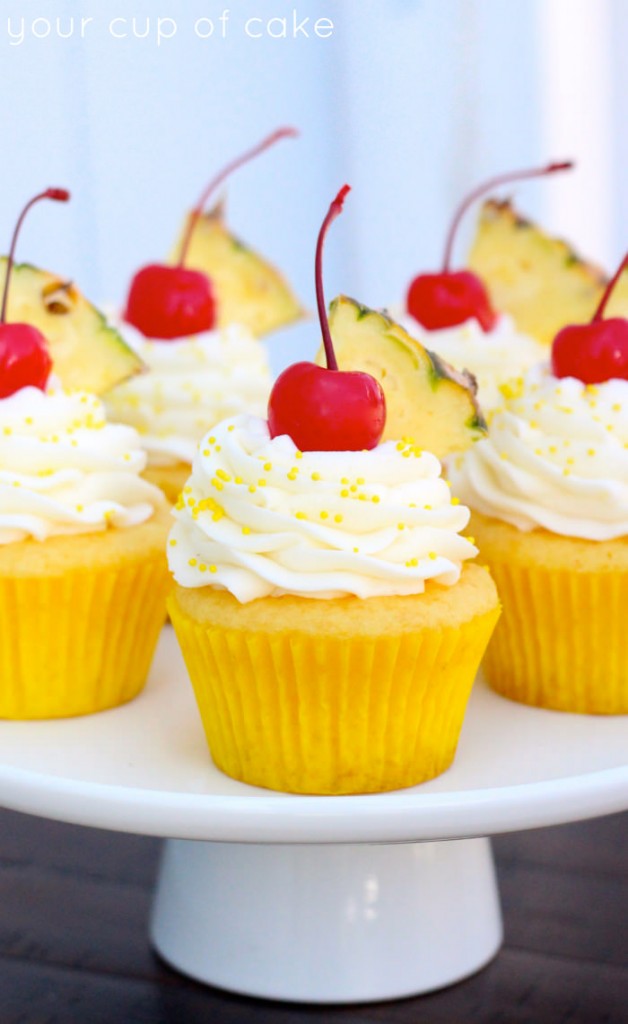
{"x": 74, "y": 905}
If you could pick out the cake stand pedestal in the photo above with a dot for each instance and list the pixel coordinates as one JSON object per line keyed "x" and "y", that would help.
{"x": 316, "y": 899}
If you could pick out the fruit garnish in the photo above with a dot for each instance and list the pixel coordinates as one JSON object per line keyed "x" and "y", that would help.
{"x": 168, "y": 302}
{"x": 24, "y": 357}
{"x": 427, "y": 401}
{"x": 538, "y": 280}
{"x": 597, "y": 351}
{"x": 88, "y": 354}
{"x": 323, "y": 408}
{"x": 450, "y": 297}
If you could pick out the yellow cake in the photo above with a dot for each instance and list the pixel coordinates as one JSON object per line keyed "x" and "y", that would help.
{"x": 327, "y": 612}
{"x": 83, "y": 577}
{"x": 549, "y": 493}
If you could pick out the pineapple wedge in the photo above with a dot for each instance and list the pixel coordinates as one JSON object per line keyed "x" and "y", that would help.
{"x": 87, "y": 353}
{"x": 249, "y": 290}
{"x": 539, "y": 280}
{"x": 426, "y": 399}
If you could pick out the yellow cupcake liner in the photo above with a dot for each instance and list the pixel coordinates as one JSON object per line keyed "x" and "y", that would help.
{"x": 305, "y": 714}
{"x": 80, "y": 642}
{"x": 561, "y": 642}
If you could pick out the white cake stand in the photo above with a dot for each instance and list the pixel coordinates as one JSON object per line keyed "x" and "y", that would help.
{"x": 316, "y": 899}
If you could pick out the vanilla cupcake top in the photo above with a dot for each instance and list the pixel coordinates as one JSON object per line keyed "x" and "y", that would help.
{"x": 556, "y": 457}
{"x": 493, "y": 357}
{"x": 258, "y": 518}
{"x": 192, "y": 384}
{"x": 65, "y": 470}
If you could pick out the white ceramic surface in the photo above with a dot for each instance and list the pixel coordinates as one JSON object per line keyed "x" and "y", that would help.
{"x": 145, "y": 768}
{"x": 327, "y": 924}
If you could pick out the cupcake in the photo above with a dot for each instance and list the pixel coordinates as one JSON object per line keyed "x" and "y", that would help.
{"x": 195, "y": 325}
{"x": 327, "y": 605}
{"x": 452, "y": 313}
{"x": 549, "y": 494}
{"x": 83, "y": 577}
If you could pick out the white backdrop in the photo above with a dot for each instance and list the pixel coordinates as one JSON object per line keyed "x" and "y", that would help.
{"x": 411, "y": 101}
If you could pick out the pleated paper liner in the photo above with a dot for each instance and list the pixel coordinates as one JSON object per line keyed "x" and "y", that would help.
{"x": 79, "y": 642}
{"x": 561, "y": 642}
{"x": 330, "y": 715}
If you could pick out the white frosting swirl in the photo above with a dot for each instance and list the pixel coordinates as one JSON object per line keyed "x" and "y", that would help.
{"x": 556, "y": 457}
{"x": 493, "y": 357}
{"x": 65, "y": 470}
{"x": 260, "y": 518}
{"x": 192, "y": 384}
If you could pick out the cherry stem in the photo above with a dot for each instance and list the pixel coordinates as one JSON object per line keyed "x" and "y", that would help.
{"x": 61, "y": 195}
{"x": 334, "y": 210}
{"x": 487, "y": 186}
{"x": 599, "y": 313}
{"x": 270, "y": 140}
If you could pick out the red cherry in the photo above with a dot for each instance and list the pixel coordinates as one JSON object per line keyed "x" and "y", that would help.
{"x": 594, "y": 352}
{"x": 172, "y": 302}
{"x": 24, "y": 357}
{"x": 452, "y": 297}
{"x": 326, "y": 409}
{"x": 443, "y": 300}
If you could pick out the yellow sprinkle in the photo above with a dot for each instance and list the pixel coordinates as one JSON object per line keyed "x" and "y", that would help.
{"x": 317, "y": 476}
{"x": 566, "y": 472}
{"x": 552, "y": 449}
{"x": 356, "y": 550}
{"x": 375, "y": 499}
{"x": 230, "y": 427}
{"x": 504, "y": 456}
{"x": 7, "y": 431}
{"x": 538, "y": 451}
{"x": 212, "y": 440}
{"x": 344, "y": 493}
{"x": 292, "y": 475}
{"x": 203, "y": 567}
{"x": 206, "y": 451}
{"x": 261, "y": 482}
{"x": 455, "y": 501}
{"x": 361, "y": 497}
{"x": 616, "y": 407}
{"x": 173, "y": 543}
{"x": 79, "y": 508}
{"x": 353, "y": 488}
{"x": 432, "y": 555}
{"x": 192, "y": 562}
{"x": 401, "y": 526}
{"x": 591, "y": 451}
{"x": 300, "y": 515}
{"x": 400, "y": 446}
{"x": 345, "y": 480}
{"x": 252, "y": 488}
{"x": 213, "y": 568}
{"x": 187, "y": 490}
{"x": 428, "y": 507}
{"x": 338, "y": 519}
{"x": 324, "y": 515}
{"x": 246, "y": 530}
{"x": 217, "y": 484}
{"x": 222, "y": 475}
{"x": 268, "y": 466}
{"x": 570, "y": 462}
{"x": 238, "y": 480}
{"x": 406, "y": 454}
{"x": 470, "y": 539}
{"x": 218, "y": 448}
{"x": 298, "y": 455}
{"x": 360, "y": 480}
{"x": 408, "y": 440}
{"x": 29, "y": 420}
{"x": 592, "y": 389}
{"x": 218, "y": 515}
{"x": 412, "y": 562}
{"x": 534, "y": 425}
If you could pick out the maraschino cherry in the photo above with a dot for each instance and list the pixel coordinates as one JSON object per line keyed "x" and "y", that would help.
{"x": 175, "y": 302}
{"x": 451, "y": 297}
{"x": 24, "y": 357}
{"x": 326, "y": 409}
{"x": 596, "y": 351}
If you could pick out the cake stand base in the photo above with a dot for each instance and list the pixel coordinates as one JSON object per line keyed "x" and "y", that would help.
{"x": 327, "y": 924}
